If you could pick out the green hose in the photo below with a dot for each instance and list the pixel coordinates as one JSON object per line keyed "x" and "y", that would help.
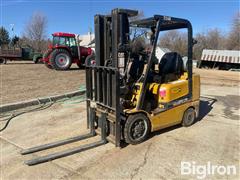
{"x": 66, "y": 102}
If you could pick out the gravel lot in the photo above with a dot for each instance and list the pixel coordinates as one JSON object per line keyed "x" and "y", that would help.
{"x": 23, "y": 80}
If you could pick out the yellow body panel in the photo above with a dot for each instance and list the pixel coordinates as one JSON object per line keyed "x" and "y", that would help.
{"x": 171, "y": 116}
{"x": 196, "y": 87}
{"x": 174, "y": 90}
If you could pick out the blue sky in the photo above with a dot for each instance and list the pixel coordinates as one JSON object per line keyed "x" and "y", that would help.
{"x": 77, "y": 16}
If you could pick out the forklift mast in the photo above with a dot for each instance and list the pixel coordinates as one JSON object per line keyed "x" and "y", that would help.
{"x": 103, "y": 80}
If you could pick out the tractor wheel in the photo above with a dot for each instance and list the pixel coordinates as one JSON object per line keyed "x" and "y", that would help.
{"x": 37, "y": 60}
{"x": 189, "y": 117}
{"x": 90, "y": 60}
{"x": 137, "y": 128}
{"x": 48, "y": 65}
{"x": 1, "y": 61}
{"x": 80, "y": 65}
{"x": 60, "y": 59}
{"x": 45, "y": 55}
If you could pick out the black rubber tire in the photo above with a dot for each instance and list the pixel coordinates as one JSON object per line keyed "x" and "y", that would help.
{"x": 189, "y": 117}
{"x": 80, "y": 65}
{"x": 45, "y": 55}
{"x": 131, "y": 121}
{"x": 89, "y": 59}
{"x": 37, "y": 60}
{"x": 53, "y": 59}
{"x": 1, "y": 61}
{"x": 48, "y": 65}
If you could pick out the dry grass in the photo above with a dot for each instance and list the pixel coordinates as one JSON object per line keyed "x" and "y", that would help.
{"x": 23, "y": 80}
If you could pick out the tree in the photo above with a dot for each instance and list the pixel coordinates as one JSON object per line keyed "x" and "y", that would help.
{"x": 36, "y": 30}
{"x": 233, "y": 41}
{"x": 14, "y": 40}
{"x": 175, "y": 41}
{"x": 135, "y": 31}
{"x": 212, "y": 39}
{"x": 215, "y": 39}
{"x": 4, "y": 36}
{"x": 137, "y": 35}
{"x": 201, "y": 44}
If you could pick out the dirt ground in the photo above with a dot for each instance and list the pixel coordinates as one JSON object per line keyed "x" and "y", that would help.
{"x": 214, "y": 138}
{"x": 23, "y": 80}
{"x": 218, "y": 77}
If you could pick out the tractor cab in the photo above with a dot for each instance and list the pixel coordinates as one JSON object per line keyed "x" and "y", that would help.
{"x": 64, "y": 39}
{"x": 67, "y": 40}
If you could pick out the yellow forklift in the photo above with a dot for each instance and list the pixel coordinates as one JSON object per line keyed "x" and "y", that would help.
{"x": 130, "y": 91}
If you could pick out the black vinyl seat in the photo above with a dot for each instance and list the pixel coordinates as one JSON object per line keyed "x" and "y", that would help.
{"x": 170, "y": 67}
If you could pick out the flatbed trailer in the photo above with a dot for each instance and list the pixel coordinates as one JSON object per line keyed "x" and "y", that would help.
{"x": 19, "y": 54}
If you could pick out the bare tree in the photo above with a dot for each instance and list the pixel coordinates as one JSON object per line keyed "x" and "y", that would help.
{"x": 233, "y": 41}
{"x": 35, "y": 31}
{"x": 175, "y": 41}
{"x": 215, "y": 39}
{"x": 137, "y": 35}
{"x": 212, "y": 39}
{"x": 137, "y": 32}
{"x": 201, "y": 44}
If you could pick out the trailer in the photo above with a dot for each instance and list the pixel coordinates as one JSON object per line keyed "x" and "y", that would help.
{"x": 19, "y": 54}
{"x": 220, "y": 59}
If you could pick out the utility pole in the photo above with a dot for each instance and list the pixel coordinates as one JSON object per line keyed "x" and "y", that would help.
{"x": 12, "y": 29}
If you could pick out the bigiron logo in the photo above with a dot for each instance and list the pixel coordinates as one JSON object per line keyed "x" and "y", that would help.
{"x": 202, "y": 171}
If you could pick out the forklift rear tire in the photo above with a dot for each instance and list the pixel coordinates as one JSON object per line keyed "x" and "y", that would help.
{"x": 137, "y": 128}
{"x": 189, "y": 117}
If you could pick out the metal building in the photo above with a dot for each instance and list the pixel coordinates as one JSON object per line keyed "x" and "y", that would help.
{"x": 222, "y": 59}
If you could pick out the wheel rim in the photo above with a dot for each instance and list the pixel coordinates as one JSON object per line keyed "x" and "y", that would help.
{"x": 138, "y": 129}
{"x": 190, "y": 117}
{"x": 62, "y": 60}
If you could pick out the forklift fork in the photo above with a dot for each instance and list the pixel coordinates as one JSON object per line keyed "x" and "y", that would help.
{"x": 71, "y": 151}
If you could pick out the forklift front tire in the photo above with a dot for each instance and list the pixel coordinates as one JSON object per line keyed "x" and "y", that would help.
{"x": 189, "y": 117}
{"x": 137, "y": 128}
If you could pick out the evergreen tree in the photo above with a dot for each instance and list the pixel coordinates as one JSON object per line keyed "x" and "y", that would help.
{"x": 4, "y": 36}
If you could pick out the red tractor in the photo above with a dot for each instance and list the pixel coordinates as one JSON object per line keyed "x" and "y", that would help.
{"x": 64, "y": 51}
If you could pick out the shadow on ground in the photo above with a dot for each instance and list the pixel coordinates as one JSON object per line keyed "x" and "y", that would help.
{"x": 205, "y": 107}
{"x": 75, "y": 69}
{"x": 19, "y": 63}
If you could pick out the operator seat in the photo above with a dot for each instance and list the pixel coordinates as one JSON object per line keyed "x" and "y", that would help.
{"x": 170, "y": 67}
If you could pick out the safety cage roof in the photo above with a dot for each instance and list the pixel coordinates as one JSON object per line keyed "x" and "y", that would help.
{"x": 167, "y": 22}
